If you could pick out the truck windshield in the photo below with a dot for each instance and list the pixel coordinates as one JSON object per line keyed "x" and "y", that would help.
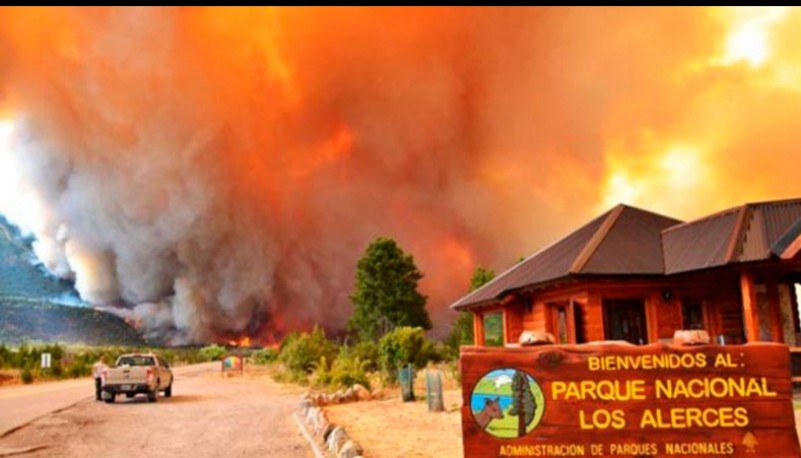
{"x": 136, "y": 361}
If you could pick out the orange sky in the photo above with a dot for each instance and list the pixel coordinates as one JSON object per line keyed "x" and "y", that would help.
{"x": 229, "y": 166}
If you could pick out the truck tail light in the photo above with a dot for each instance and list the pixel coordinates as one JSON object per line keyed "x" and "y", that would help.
{"x": 103, "y": 375}
{"x": 149, "y": 375}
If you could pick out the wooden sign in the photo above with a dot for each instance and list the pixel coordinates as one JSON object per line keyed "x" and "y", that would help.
{"x": 233, "y": 363}
{"x": 610, "y": 400}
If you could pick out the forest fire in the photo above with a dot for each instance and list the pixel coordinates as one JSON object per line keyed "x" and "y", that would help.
{"x": 210, "y": 173}
{"x": 243, "y": 342}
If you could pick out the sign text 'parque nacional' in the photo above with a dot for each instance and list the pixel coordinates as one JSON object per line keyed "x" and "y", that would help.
{"x": 611, "y": 400}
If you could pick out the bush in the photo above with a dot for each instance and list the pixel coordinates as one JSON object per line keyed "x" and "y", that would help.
{"x": 27, "y": 376}
{"x": 264, "y": 356}
{"x": 366, "y": 351}
{"x": 212, "y": 353}
{"x": 345, "y": 371}
{"x": 79, "y": 369}
{"x": 301, "y": 351}
{"x": 403, "y": 346}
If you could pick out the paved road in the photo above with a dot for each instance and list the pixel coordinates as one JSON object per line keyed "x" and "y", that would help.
{"x": 23, "y": 404}
{"x": 207, "y": 416}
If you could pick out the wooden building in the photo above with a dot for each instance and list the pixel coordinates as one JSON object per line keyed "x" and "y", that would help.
{"x": 633, "y": 275}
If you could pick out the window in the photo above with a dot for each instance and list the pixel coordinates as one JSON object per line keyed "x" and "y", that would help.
{"x": 692, "y": 314}
{"x": 136, "y": 361}
{"x": 624, "y": 319}
{"x": 493, "y": 329}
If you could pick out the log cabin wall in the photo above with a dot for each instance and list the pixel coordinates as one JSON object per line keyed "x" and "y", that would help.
{"x": 666, "y": 302}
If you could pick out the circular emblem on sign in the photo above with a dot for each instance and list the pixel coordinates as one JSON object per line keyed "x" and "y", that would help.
{"x": 507, "y": 403}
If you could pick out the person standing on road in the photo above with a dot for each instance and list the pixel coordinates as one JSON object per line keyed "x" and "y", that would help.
{"x": 97, "y": 373}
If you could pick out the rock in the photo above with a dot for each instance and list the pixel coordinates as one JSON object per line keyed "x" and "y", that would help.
{"x": 312, "y": 414}
{"x": 536, "y": 338}
{"x": 327, "y": 432}
{"x": 349, "y": 395}
{"x": 362, "y": 393}
{"x": 378, "y": 393}
{"x": 337, "y": 438}
{"x": 691, "y": 337}
{"x": 350, "y": 449}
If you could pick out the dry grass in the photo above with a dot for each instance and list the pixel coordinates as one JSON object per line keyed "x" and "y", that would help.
{"x": 391, "y": 428}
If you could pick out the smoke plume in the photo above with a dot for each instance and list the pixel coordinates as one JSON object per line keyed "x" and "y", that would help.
{"x": 213, "y": 173}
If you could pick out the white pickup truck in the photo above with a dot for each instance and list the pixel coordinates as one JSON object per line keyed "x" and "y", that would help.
{"x": 137, "y": 373}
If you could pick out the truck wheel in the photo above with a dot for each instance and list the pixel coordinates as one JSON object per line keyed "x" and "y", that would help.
{"x": 152, "y": 395}
{"x": 168, "y": 391}
{"x": 110, "y": 398}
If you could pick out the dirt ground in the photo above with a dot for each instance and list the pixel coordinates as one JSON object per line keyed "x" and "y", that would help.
{"x": 392, "y": 428}
{"x": 376, "y": 425}
{"x": 208, "y": 416}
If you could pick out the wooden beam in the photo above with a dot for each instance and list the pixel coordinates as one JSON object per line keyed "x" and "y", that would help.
{"x": 792, "y": 250}
{"x": 571, "y": 322}
{"x": 775, "y": 308}
{"x": 750, "y": 313}
{"x": 651, "y": 318}
{"x": 737, "y": 233}
{"x": 505, "y": 317}
{"x": 478, "y": 328}
{"x": 589, "y": 249}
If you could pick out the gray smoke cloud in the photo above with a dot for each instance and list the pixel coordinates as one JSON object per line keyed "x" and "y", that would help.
{"x": 212, "y": 173}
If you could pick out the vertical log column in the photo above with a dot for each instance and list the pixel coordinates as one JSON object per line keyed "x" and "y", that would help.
{"x": 750, "y": 312}
{"x": 775, "y": 309}
{"x": 478, "y": 328}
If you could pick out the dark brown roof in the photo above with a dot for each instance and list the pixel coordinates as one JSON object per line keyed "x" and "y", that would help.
{"x": 603, "y": 246}
{"x": 751, "y": 232}
{"x": 630, "y": 241}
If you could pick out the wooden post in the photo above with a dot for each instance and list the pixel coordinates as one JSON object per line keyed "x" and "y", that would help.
{"x": 505, "y": 327}
{"x": 434, "y": 391}
{"x": 652, "y": 301}
{"x": 571, "y": 321}
{"x": 750, "y": 312}
{"x": 478, "y": 329}
{"x": 775, "y": 308}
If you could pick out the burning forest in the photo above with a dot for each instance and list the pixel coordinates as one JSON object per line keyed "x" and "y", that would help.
{"x": 214, "y": 174}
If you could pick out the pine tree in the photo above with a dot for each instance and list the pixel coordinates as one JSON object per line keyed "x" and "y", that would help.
{"x": 523, "y": 404}
{"x": 385, "y": 296}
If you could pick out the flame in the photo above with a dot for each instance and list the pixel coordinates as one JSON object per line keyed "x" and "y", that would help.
{"x": 242, "y": 342}
{"x": 748, "y": 38}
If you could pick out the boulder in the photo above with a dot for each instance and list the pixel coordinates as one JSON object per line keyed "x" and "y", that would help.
{"x": 530, "y": 338}
{"x": 691, "y": 337}
{"x": 350, "y": 449}
{"x": 362, "y": 393}
{"x": 337, "y": 437}
{"x": 326, "y": 432}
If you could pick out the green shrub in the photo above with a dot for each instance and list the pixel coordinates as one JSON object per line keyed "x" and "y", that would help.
{"x": 344, "y": 372}
{"x": 264, "y": 356}
{"x": 367, "y": 352}
{"x": 402, "y": 346}
{"x": 212, "y": 353}
{"x": 300, "y": 352}
{"x": 27, "y": 376}
{"x": 79, "y": 369}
